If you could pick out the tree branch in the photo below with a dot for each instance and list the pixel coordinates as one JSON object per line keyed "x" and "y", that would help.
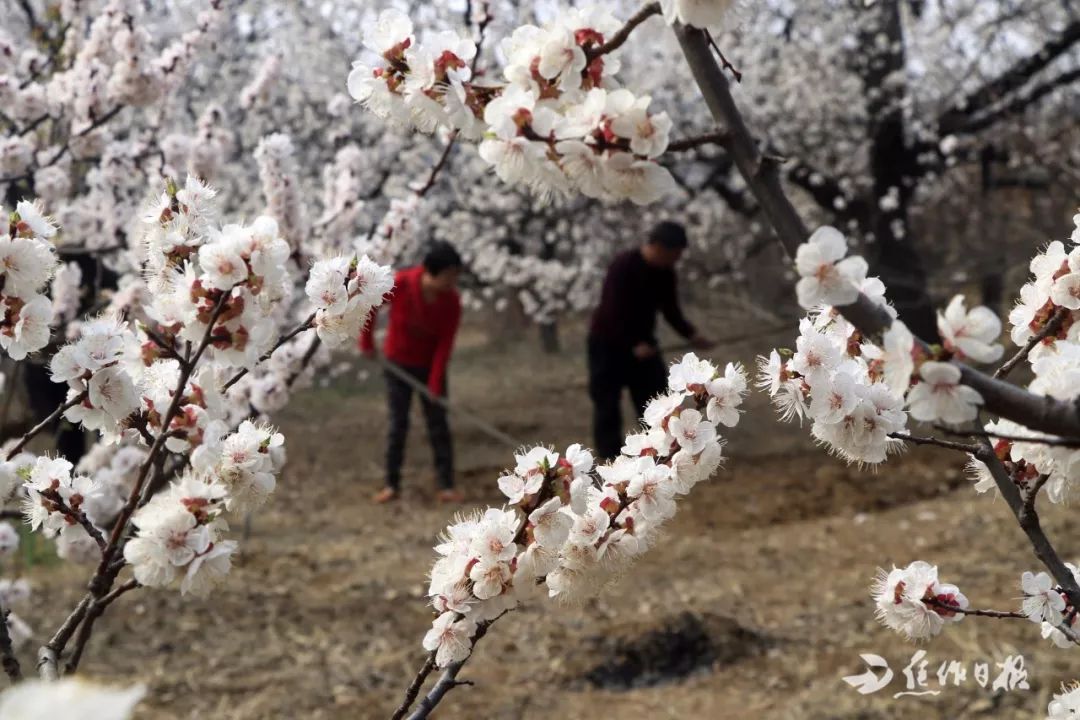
{"x": 619, "y": 38}
{"x": 306, "y": 325}
{"x": 48, "y": 654}
{"x": 77, "y": 516}
{"x": 954, "y": 119}
{"x": 1029, "y": 523}
{"x": 96, "y": 610}
{"x": 1046, "y": 414}
{"x": 414, "y": 688}
{"x": 45, "y": 423}
{"x": 448, "y": 681}
{"x": 962, "y": 447}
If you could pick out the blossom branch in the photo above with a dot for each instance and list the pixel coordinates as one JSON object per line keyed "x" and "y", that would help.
{"x": 105, "y": 574}
{"x": 449, "y": 677}
{"x": 45, "y": 423}
{"x": 1029, "y": 523}
{"x": 997, "y": 614}
{"x": 448, "y": 680}
{"x": 1051, "y": 328}
{"x": 619, "y": 38}
{"x": 971, "y": 449}
{"x": 423, "y": 189}
{"x": 306, "y": 325}
{"x": 1047, "y": 414}
{"x": 75, "y": 516}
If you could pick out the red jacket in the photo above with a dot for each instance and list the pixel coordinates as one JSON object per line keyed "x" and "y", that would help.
{"x": 420, "y": 334}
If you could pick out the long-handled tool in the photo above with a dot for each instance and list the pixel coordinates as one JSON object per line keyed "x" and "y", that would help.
{"x": 484, "y": 426}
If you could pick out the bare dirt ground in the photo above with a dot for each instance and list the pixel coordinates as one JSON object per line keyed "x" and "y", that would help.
{"x": 755, "y": 605}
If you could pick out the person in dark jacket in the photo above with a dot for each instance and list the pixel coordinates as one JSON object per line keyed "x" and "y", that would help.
{"x": 425, "y": 310}
{"x": 622, "y": 348}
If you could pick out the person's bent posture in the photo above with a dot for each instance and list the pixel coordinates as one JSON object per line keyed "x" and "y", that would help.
{"x": 623, "y": 350}
{"x": 425, "y": 310}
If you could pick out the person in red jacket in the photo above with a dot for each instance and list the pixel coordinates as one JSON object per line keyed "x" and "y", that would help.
{"x": 425, "y": 310}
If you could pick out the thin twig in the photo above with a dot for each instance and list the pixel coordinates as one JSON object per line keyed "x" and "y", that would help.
{"x": 414, "y": 687}
{"x": 619, "y": 38}
{"x": 78, "y": 516}
{"x": 998, "y": 614}
{"x": 306, "y": 325}
{"x": 45, "y": 423}
{"x": 434, "y": 175}
{"x": 962, "y": 447}
{"x": 1051, "y": 328}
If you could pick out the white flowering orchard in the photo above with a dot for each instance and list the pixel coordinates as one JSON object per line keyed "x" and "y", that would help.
{"x": 213, "y": 324}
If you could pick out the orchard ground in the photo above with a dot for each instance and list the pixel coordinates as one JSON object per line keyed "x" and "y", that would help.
{"x": 755, "y": 604}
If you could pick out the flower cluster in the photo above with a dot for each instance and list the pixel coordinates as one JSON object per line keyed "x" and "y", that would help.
{"x": 1055, "y": 363}
{"x": 55, "y": 498}
{"x": 280, "y": 178}
{"x": 842, "y": 383}
{"x": 914, "y": 603}
{"x": 559, "y": 124}
{"x": 179, "y": 536}
{"x": 232, "y": 278}
{"x": 855, "y": 389}
{"x": 27, "y": 263}
{"x": 98, "y": 367}
{"x": 344, "y": 291}
{"x": 1055, "y": 287}
{"x": 244, "y": 462}
{"x": 569, "y": 531}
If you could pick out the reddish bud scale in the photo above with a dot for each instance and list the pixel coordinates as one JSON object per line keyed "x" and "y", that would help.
{"x": 854, "y": 344}
{"x": 149, "y": 352}
{"x": 446, "y": 62}
{"x": 1002, "y": 449}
